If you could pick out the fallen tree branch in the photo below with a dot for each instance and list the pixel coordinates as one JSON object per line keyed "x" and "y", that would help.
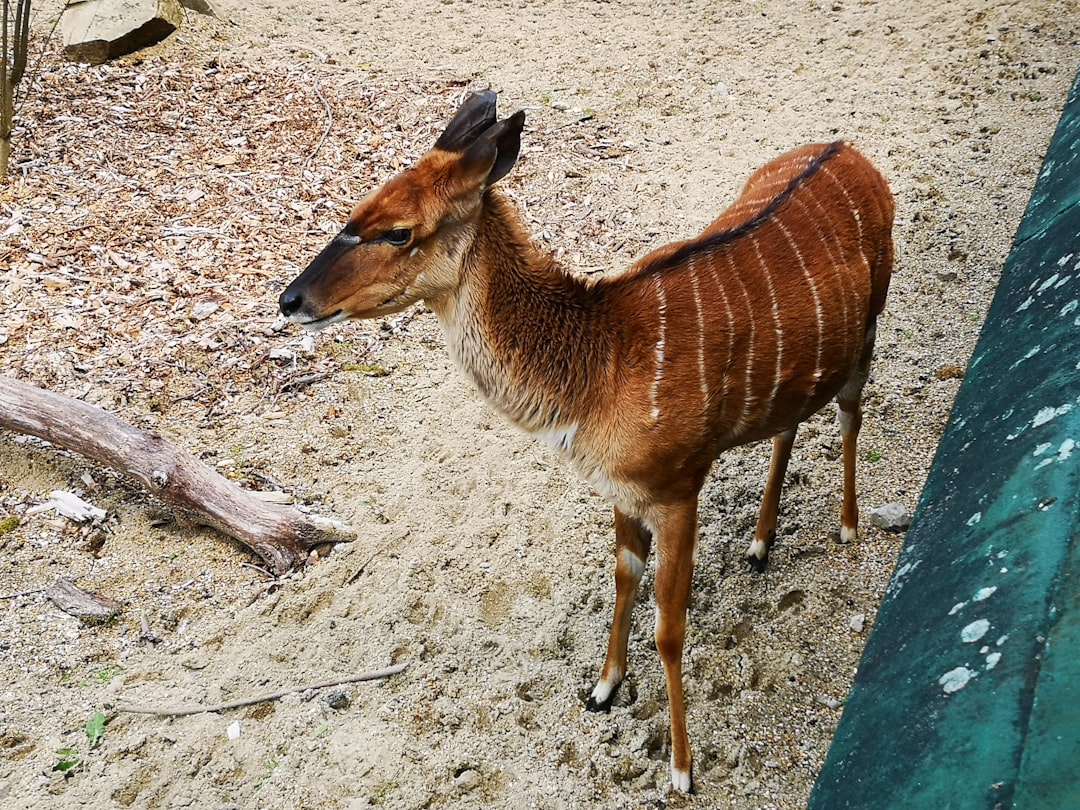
{"x": 181, "y": 711}
{"x": 281, "y": 536}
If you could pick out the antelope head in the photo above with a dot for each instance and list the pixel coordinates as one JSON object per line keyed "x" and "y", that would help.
{"x": 406, "y": 241}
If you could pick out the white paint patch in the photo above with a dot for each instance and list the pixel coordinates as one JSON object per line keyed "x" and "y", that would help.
{"x": 1070, "y": 308}
{"x": 1046, "y": 285}
{"x": 955, "y": 679}
{"x": 1026, "y": 304}
{"x": 974, "y": 631}
{"x": 1031, "y": 353}
{"x": 1001, "y": 640}
{"x": 957, "y": 608}
{"x": 1046, "y": 414}
{"x": 1042, "y": 448}
{"x": 971, "y": 521}
{"x": 1066, "y": 449}
{"x": 985, "y": 593}
{"x": 992, "y": 660}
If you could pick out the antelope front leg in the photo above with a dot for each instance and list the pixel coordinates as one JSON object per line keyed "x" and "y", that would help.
{"x": 632, "y": 541}
{"x": 758, "y": 553}
{"x": 675, "y": 540}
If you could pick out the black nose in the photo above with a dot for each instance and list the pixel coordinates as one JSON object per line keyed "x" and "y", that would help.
{"x": 290, "y": 302}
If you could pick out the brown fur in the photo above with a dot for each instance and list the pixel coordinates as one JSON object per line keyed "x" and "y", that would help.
{"x": 640, "y": 379}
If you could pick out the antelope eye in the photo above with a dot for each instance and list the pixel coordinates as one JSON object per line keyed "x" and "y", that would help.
{"x": 398, "y": 237}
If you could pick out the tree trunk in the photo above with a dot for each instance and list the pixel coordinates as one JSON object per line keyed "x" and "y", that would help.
{"x": 283, "y": 537}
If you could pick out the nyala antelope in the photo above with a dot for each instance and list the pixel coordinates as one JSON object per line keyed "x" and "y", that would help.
{"x": 640, "y": 379}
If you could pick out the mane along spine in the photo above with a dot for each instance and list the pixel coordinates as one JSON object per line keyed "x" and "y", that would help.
{"x": 709, "y": 242}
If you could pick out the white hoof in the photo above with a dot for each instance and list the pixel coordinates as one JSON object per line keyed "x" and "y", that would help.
{"x": 848, "y": 534}
{"x": 603, "y": 693}
{"x": 682, "y": 781}
{"x": 757, "y": 550}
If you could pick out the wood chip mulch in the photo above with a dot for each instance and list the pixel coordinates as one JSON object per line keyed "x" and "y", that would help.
{"x": 155, "y": 209}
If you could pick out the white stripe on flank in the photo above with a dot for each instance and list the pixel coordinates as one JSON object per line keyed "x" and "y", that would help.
{"x": 840, "y": 269}
{"x": 754, "y": 202}
{"x": 701, "y": 335}
{"x": 743, "y": 422}
{"x": 662, "y": 314}
{"x": 813, "y": 292}
{"x": 766, "y": 271}
{"x": 722, "y": 374}
{"x": 852, "y": 207}
{"x": 843, "y": 190}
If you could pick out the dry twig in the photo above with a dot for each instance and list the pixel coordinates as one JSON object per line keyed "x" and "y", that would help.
{"x": 181, "y": 711}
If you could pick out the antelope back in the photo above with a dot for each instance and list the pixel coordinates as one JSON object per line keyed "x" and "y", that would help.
{"x": 763, "y": 317}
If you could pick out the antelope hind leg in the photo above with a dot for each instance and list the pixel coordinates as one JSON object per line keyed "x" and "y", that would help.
{"x": 676, "y": 533}
{"x": 758, "y": 554}
{"x": 632, "y": 542}
{"x": 849, "y": 417}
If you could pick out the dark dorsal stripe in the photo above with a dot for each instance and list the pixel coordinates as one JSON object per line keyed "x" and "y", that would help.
{"x": 708, "y": 243}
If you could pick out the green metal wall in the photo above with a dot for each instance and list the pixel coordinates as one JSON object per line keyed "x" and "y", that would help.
{"x": 968, "y": 694}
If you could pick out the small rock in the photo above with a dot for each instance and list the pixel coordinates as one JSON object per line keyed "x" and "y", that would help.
{"x": 337, "y": 699}
{"x": 561, "y": 106}
{"x": 98, "y": 30}
{"x": 467, "y": 780}
{"x": 857, "y": 622}
{"x": 829, "y": 702}
{"x": 892, "y": 517}
{"x": 207, "y": 7}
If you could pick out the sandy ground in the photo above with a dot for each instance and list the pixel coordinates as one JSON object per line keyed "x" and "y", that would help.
{"x": 480, "y": 560}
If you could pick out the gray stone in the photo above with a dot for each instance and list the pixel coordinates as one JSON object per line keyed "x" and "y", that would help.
{"x": 207, "y": 7}
{"x": 892, "y": 517}
{"x": 95, "y": 31}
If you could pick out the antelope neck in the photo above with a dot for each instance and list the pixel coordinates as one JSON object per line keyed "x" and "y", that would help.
{"x": 529, "y": 335}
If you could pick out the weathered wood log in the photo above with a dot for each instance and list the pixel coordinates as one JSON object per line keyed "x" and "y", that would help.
{"x": 281, "y": 536}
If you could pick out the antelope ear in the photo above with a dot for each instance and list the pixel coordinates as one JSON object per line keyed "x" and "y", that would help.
{"x": 496, "y": 151}
{"x": 475, "y": 115}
